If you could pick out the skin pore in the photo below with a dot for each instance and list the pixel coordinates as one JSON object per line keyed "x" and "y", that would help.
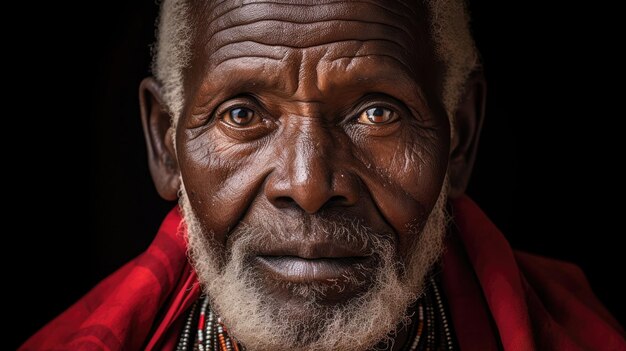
{"x": 313, "y": 147}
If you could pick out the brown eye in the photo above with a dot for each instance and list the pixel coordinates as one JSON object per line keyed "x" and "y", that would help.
{"x": 240, "y": 117}
{"x": 377, "y": 115}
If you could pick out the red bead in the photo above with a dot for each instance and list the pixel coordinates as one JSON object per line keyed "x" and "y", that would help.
{"x": 201, "y": 322}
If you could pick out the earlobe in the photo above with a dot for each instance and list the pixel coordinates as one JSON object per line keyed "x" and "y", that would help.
{"x": 468, "y": 123}
{"x": 158, "y": 130}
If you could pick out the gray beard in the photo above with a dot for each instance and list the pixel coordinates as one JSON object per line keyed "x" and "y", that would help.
{"x": 261, "y": 323}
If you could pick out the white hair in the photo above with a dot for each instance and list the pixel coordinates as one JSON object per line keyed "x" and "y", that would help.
{"x": 450, "y": 32}
{"x": 172, "y": 53}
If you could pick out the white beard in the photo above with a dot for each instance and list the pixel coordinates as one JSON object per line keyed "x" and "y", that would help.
{"x": 261, "y": 324}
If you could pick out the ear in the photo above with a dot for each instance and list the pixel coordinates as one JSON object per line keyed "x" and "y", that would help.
{"x": 468, "y": 123}
{"x": 158, "y": 131}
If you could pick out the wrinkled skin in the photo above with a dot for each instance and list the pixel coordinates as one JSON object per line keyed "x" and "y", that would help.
{"x": 304, "y": 109}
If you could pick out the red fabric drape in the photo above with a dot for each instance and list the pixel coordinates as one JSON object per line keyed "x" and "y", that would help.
{"x": 499, "y": 298}
{"x": 502, "y": 299}
{"x": 138, "y": 307}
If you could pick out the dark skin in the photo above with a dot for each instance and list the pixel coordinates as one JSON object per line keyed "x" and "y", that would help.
{"x": 291, "y": 112}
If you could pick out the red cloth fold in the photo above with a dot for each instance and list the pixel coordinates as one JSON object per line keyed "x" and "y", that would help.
{"x": 502, "y": 299}
{"x": 499, "y": 298}
{"x": 138, "y": 307}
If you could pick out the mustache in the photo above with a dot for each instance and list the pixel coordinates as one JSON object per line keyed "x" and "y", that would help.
{"x": 345, "y": 233}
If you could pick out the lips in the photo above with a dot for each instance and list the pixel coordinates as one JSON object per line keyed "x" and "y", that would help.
{"x": 300, "y": 262}
{"x": 302, "y": 270}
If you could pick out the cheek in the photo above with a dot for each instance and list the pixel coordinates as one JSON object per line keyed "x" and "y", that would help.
{"x": 221, "y": 179}
{"x": 418, "y": 166}
{"x": 404, "y": 176}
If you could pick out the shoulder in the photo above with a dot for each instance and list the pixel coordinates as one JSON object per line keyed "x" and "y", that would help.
{"x": 552, "y": 272}
{"x": 562, "y": 290}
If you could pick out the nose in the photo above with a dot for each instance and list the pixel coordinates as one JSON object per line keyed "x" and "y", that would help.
{"x": 310, "y": 175}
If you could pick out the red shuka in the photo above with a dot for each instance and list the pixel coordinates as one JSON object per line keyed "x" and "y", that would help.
{"x": 498, "y": 298}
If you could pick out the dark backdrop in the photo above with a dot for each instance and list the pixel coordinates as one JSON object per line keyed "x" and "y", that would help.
{"x": 545, "y": 171}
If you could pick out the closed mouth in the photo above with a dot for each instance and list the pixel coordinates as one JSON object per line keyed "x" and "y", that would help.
{"x": 298, "y": 269}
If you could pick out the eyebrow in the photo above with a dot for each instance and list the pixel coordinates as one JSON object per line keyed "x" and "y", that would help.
{"x": 396, "y": 80}
{"x": 391, "y": 57}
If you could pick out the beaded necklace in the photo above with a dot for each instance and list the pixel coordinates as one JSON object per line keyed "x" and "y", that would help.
{"x": 430, "y": 332}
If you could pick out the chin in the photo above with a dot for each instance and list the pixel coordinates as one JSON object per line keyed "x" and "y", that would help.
{"x": 273, "y": 293}
{"x": 308, "y": 304}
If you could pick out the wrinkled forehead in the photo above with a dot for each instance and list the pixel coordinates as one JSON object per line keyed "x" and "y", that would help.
{"x": 395, "y": 30}
{"x": 221, "y": 27}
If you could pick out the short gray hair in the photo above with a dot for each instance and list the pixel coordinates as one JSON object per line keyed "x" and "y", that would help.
{"x": 450, "y": 32}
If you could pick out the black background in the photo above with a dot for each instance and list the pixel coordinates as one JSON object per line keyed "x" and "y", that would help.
{"x": 546, "y": 171}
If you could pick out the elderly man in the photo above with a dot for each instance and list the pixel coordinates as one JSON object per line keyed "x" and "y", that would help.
{"x": 320, "y": 151}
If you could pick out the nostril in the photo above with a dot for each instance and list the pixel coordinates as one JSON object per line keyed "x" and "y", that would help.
{"x": 287, "y": 201}
{"x": 337, "y": 200}
{"x": 284, "y": 201}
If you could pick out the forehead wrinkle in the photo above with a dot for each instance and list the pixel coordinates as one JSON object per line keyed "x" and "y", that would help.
{"x": 246, "y": 49}
{"x": 265, "y": 48}
{"x": 253, "y": 67}
{"x": 391, "y": 57}
{"x": 240, "y": 4}
{"x": 257, "y": 12}
{"x": 305, "y": 76}
{"x": 391, "y": 77}
{"x": 273, "y": 32}
{"x": 245, "y": 58}
{"x": 298, "y": 42}
{"x": 384, "y": 23}
{"x": 248, "y": 75}
{"x": 215, "y": 72}
{"x": 344, "y": 21}
{"x": 278, "y": 52}
{"x": 402, "y": 14}
{"x": 380, "y": 49}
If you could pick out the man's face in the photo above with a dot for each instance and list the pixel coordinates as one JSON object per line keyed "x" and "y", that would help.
{"x": 313, "y": 149}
